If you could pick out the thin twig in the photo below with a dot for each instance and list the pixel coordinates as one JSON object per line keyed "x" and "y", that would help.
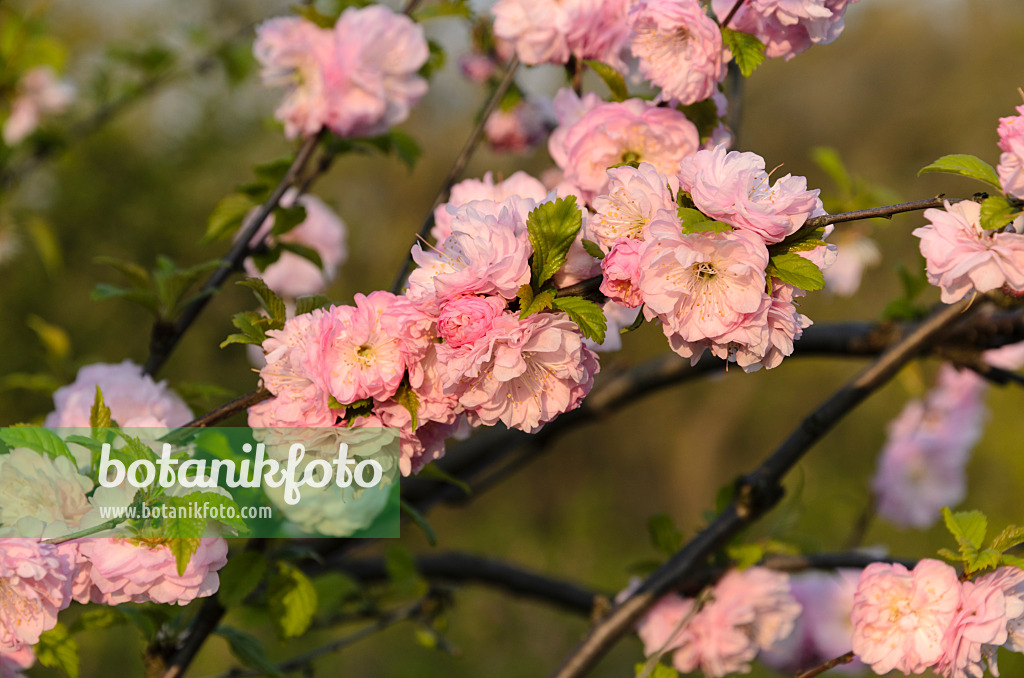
{"x": 756, "y": 493}
{"x": 458, "y": 166}
{"x": 830, "y": 664}
{"x": 732, "y": 13}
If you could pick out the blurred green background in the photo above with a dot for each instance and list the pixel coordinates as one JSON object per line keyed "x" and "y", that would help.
{"x": 907, "y": 82}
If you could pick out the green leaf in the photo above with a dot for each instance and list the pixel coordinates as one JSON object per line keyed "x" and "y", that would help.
{"x": 746, "y": 555}
{"x": 399, "y": 144}
{"x": 417, "y": 517}
{"x": 703, "y": 114}
{"x": 966, "y": 166}
{"x": 968, "y": 528}
{"x": 227, "y": 216}
{"x": 248, "y": 650}
{"x": 457, "y": 8}
{"x": 637, "y": 322}
{"x": 407, "y": 398}
{"x": 997, "y": 212}
{"x": 665, "y": 536}
{"x": 1015, "y": 561}
{"x": 987, "y": 559}
{"x": 287, "y": 218}
{"x": 586, "y": 314}
{"x": 145, "y": 298}
{"x": 36, "y": 438}
{"x": 530, "y": 303}
{"x": 436, "y": 59}
{"x": 292, "y": 600}
{"x": 311, "y": 303}
{"x": 593, "y": 249}
{"x": 827, "y": 158}
{"x": 709, "y": 226}
{"x": 434, "y": 472}
{"x": 269, "y": 301}
{"x": 655, "y": 670}
{"x": 99, "y": 413}
{"x": 746, "y": 49}
{"x": 240, "y": 577}
{"x": 56, "y": 648}
{"x": 797, "y": 271}
{"x": 611, "y": 77}
{"x": 303, "y": 251}
{"x": 689, "y": 216}
{"x": 552, "y": 228}
{"x": 275, "y": 171}
{"x": 99, "y": 617}
{"x": 1008, "y": 538}
{"x": 313, "y": 15}
{"x": 218, "y": 505}
{"x": 183, "y": 534}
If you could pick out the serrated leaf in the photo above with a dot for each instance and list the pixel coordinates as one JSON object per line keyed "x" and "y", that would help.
{"x": 708, "y": 226}
{"x": 183, "y": 535}
{"x": 797, "y": 271}
{"x": 535, "y": 303}
{"x": 218, "y": 505}
{"x": 703, "y": 114}
{"x": 593, "y": 249}
{"x": 145, "y": 298}
{"x": 949, "y": 555}
{"x": 689, "y": 216}
{"x": 997, "y": 212}
{"x": 1008, "y": 538}
{"x": 966, "y": 166}
{"x": 611, "y": 77}
{"x": 417, "y": 517}
{"x": 989, "y": 558}
{"x": 310, "y": 303}
{"x": 1015, "y": 561}
{"x": 37, "y": 439}
{"x": 587, "y": 315}
{"x": 99, "y": 413}
{"x": 292, "y": 600}
{"x": 287, "y": 218}
{"x": 747, "y": 50}
{"x": 274, "y": 172}
{"x": 227, "y": 216}
{"x": 240, "y": 577}
{"x": 407, "y": 398}
{"x": 968, "y": 528}
{"x": 248, "y": 650}
{"x": 434, "y": 472}
{"x": 552, "y": 228}
{"x": 269, "y": 301}
{"x": 665, "y": 536}
{"x": 56, "y": 648}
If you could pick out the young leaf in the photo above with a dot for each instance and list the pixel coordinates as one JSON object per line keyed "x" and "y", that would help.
{"x": 966, "y": 166}
{"x": 407, "y": 398}
{"x": 56, "y": 648}
{"x": 586, "y": 314}
{"x": 1008, "y": 538}
{"x": 248, "y": 650}
{"x": 292, "y": 600}
{"x": 227, "y": 216}
{"x": 797, "y": 271}
{"x": 707, "y": 226}
{"x": 311, "y": 303}
{"x": 535, "y": 303}
{"x": 268, "y": 299}
{"x": 287, "y": 218}
{"x": 997, "y": 212}
{"x": 968, "y": 528}
{"x": 182, "y": 532}
{"x": 611, "y": 77}
{"x": 99, "y": 413}
{"x": 593, "y": 249}
{"x": 747, "y": 50}
{"x": 36, "y": 438}
{"x": 665, "y": 536}
{"x": 240, "y": 577}
{"x": 552, "y": 228}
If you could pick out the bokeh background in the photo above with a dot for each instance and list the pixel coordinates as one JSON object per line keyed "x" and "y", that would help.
{"x": 909, "y": 81}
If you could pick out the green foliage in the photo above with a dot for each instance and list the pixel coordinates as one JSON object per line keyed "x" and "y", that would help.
{"x": 421, "y": 522}
{"x": 164, "y": 291}
{"x": 36, "y": 438}
{"x": 666, "y": 538}
{"x": 655, "y": 670}
{"x": 240, "y": 577}
{"x": 969, "y": 529}
{"x": 703, "y": 114}
{"x": 56, "y": 648}
{"x": 287, "y": 218}
{"x": 997, "y": 212}
{"x": 906, "y": 307}
{"x": 227, "y": 216}
{"x": 530, "y": 303}
{"x": 435, "y": 59}
{"x": 587, "y": 315}
{"x": 797, "y": 271}
{"x": 966, "y": 166}
{"x": 799, "y": 242}
{"x": 248, "y": 650}
{"x": 747, "y": 50}
{"x": 292, "y": 600}
{"x": 405, "y": 578}
{"x": 455, "y": 8}
{"x": 407, "y": 398}
{"x": 611, "y": 77}
{"x": 552, "y": 228}
{"x": 852, "y": 192}
{"x": 395, "y": 143}
{"x": 268, "y": 299}
{"x": 253, "y": 328}
{"x": 99, "y": 413}
{"x": 637, "y": 322}
{"x": 311, "y": 303}
{"x": 593, "y": 249}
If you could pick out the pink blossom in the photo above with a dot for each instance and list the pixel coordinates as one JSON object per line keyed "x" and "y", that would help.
{"x": 323, "y": 232}
{"x": 477, "y": 68}
{"x": 981, "y": 621}
{"x": 1011, "y": 161}
{"x": 855, "y": 253}
{"x": 48, "y": 490}
{"x": 598, "y": 30}
{"x": 1008, "y": 357}
{"x": 523, "y": 373}
{"x": 35, "y": 584}
{"x": 568, "y": 108}
{"x": 679, "y": 48}
{"x": 663, "y": 628}
{"x": 621, "y": 269}
{"x": 633, "y": 198}
{"x": 900, "y": 617}
{"x": 39, "y": 93}
{"x": 138, "y": 571}
{"x": 549, "y": 32}
{"x": 133, "y": 397}
{"x": 466, "y": 319}
{"x": 13, "y": 663}
{"x": 708, "y": 289}
{"x": 1009, "y": 580}
{"x": 518, "y": 130}
{"x": 962, "y": 258}
{"x": 621, "y": 132}
{"x": 784, "y": 326}
{"x": 921, "y": 468}
{"x": 518, "y": 184}
{"x": 787, "y": 27}
{"x": 733, "y": 187}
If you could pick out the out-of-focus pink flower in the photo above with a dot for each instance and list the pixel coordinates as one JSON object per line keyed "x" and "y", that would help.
{"x": 477, "y": 68}
{"x": 679, "y": 48}
{"x": 39, "y": 93}
{"x": 293, "y": 275}
{"x": 598, "y": 30}
{"x": 133, "y": 571}
{"x": 621, "y": 132}
{"x": 35, "y": 584}
{"x": 1009, "y": 580}
{"x": 518, "y": 184}
{"x": 550, "y": 32}
{"x": 621, "y": 269}
{"x": 900, "y": 617}
{"x": 787, "y": 27}
{"x": 523, "y": 373}
{"x": 13, "y": 663}
{"x": 517, "y": 130}
{"x": 663, "y": 625}
{"x": 1011, "y": 161}
{"x": 133, "y": 397}
{"x": 1009, "y": 357}
{"x": 633, "y": 198}
{"x": 466, "y": 319}
{"x": 733, "y": 187}
{"x": 963, "y": 258}
{"x": 855, "y": 253}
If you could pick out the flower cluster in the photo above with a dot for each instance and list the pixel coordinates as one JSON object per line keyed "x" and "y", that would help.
{"x": 787, "y": 27}
{"x": 550, "y": 32}
{"x": 749, "y": 611}
{"x": 927, "y": 618}
{"x": 1011, "y": 162}
{"x": 357, "y": 79}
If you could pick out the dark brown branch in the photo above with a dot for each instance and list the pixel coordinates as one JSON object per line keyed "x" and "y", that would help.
{"x": 230, "y": 408}
{"x": 756, "y": 493}
{"x": 732, "y": 13}
{"x": 830, "y": 664}
{"x": 457, "y": 167}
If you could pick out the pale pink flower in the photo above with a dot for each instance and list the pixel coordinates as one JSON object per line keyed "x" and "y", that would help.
{"x": 855, "y": 253}
{"x": 568, "y": 108}
{"x": 598, "y": 30}
{"x": 36, "y": 486}
{"x": 1011, "y": 161}
{"x": 733, "y": 187}
{"x": 621, "y": 269}
{"x": 322, "y": 231}
{"x": 35, "y": 584}
{"x": 518, "y": 130}
{"x": 708, "y": 289}
{"x": 622, "y": 132}
{"x": 39, "y": 93}
{"x": 466, "y": 319}
{"x": 784, "y": 326}
{"x": 679, "y": 48}
{"x": 962, "y": 258}
{"x": 477, "y": 68}
{"x": 518, "y": 184}
{"x": 900, "y": 617}
{"x": 787, "y": 27}
{"x": 133, "y": 397}
{"x": 981, "y": 621}
{"x": 633, "y": 198}
{"x": 13, "y": 663}
{"x": 550, "y": 32}
{"x": 1010, "y": 580}
{"x": 663, "y": 628}
{"x": 137, "y": 571}
{"x": 523, "y": 373}
{"x": 1009, "y": 357}
{"x": 921, "y": 467}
